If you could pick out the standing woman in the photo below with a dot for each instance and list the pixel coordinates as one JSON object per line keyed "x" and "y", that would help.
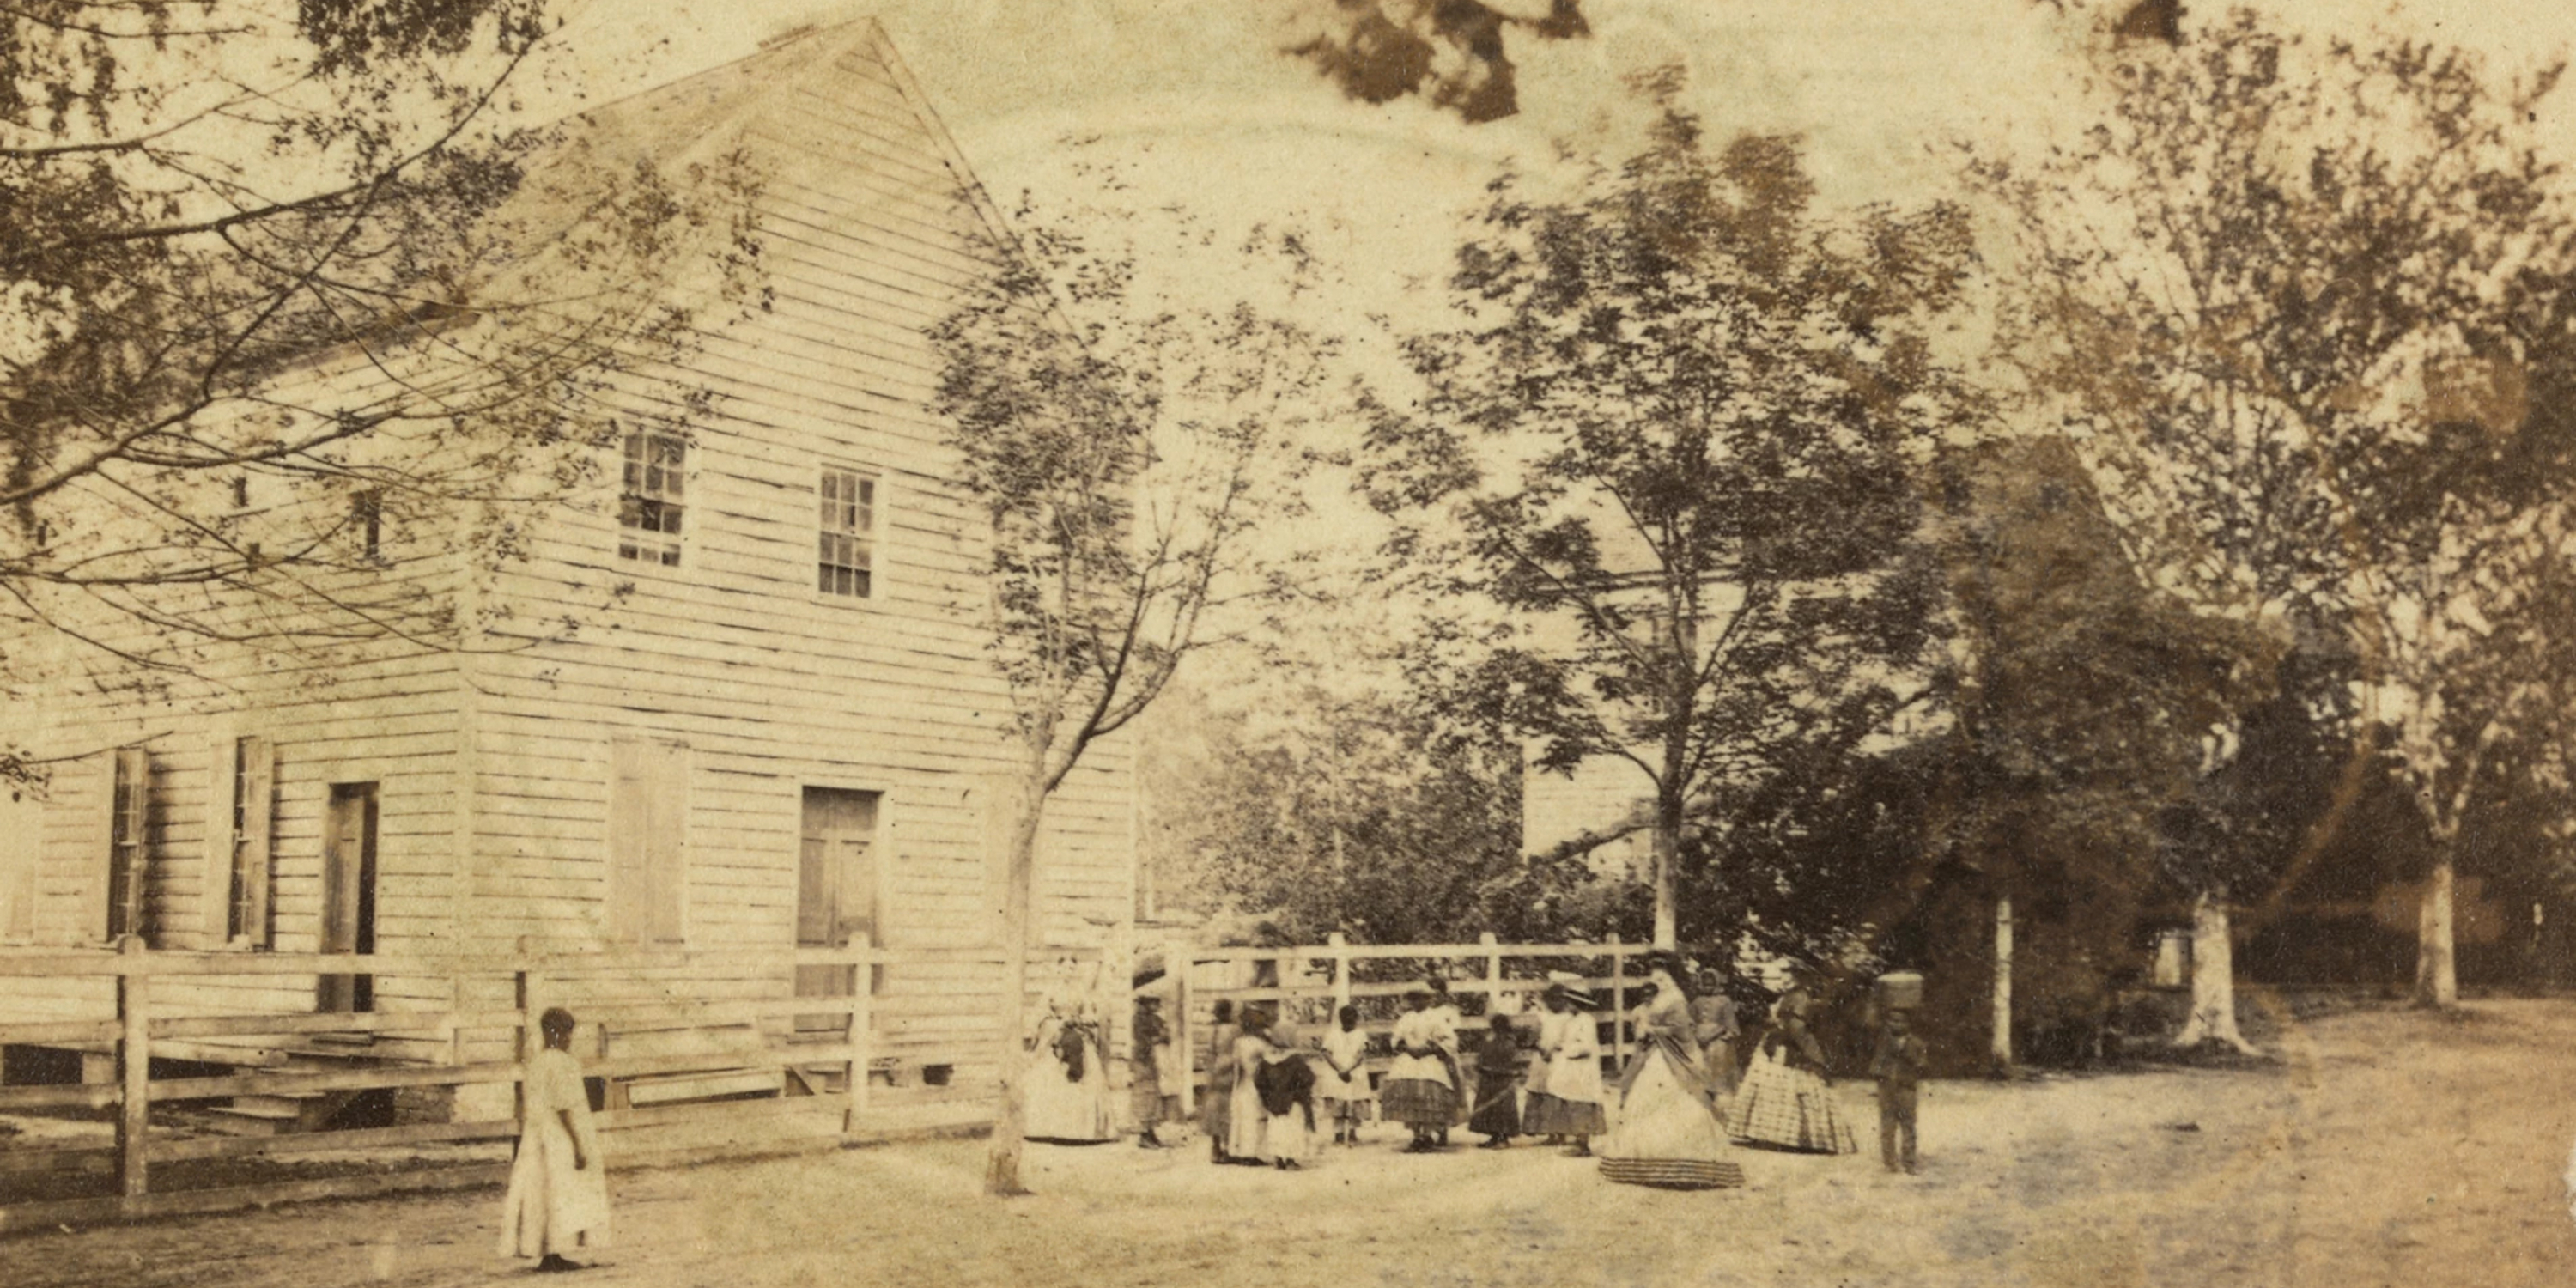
{"x": 1068, "y": 1077}
{"x": 1218, "y": 1113}
{"x": 1153, "y": 1054}
{"x": 1573, "y": 1106}
{"x": 1786, "y": 1101}
{"x": 1420, "y": 1090}
{"x": 558, "y": 1197}
{"x": 1715, "y": 1028}
{"x": 1667, "y": 1136}
{"x": 1247, "y": 1122}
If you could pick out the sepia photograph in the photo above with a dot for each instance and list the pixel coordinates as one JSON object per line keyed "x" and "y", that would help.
{"x": 1303, "y": 643}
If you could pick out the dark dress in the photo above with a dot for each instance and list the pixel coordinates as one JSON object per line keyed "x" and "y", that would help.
{"x": 1498, "y": 1072}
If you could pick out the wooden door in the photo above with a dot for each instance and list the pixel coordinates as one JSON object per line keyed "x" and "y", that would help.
{"x": 349, "y": 892}
{"x": 835, "y": 891}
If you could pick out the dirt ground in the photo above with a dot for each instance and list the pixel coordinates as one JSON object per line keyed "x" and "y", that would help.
{"x": 2385, "y": 1147}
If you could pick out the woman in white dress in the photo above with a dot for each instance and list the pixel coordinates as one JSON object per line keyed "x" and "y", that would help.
{"x": 1665, "y": 1133}
{"x": 1068, "y": 1074}
{"x": 558, "y": 1196}
{"x": 1420, "y": 1090}
{"x": 1346, "y": 1090}
{"x": 1572, "y": 1051}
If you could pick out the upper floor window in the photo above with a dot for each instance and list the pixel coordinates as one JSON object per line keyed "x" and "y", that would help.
{"x": 847, "y": 555}
{"x": 651, "y": 501}
{"x": 129, "y": 791}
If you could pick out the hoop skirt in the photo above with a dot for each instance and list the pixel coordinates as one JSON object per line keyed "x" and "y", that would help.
{"x": 1665, "y": 1134}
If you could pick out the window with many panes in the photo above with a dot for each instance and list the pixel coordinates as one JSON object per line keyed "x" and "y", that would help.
{"x": 847, "y": 556}
{"x": 247, "y": 920}
{"x": 129, "y": 792}
{"x": 652, "y": 499}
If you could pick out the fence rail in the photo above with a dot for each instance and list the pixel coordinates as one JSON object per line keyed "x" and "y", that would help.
{"x": 829, "y": 1036}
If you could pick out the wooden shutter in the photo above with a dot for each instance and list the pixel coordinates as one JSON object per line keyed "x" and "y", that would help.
{"x": 647, "y": 840}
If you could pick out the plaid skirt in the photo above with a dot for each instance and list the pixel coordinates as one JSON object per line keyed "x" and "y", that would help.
{"x": 1417, "y": 1102}
{"x": 1787, "y": 1108}
{"x": 1547, "y": 1115}
{"x": 1145, "y": 1096}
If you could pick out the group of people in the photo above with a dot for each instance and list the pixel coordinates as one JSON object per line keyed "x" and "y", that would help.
{"x": 1670, "y": 1118}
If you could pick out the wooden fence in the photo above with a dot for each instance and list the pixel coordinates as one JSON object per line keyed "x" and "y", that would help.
{"x": 1500, "y": 974}
{"x": 816, "y": 1048}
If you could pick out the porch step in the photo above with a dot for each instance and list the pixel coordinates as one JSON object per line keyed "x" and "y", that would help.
{"x": 277, "y": 1115}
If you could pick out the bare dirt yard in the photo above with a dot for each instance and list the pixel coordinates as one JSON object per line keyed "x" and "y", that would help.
{"x": 2384, "y": 1147}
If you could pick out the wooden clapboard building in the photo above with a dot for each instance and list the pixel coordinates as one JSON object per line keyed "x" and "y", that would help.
{"x": 772, "y": 721}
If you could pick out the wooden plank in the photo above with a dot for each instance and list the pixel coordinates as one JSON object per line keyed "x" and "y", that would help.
{"x": 65, "y": 1033}
{"x": 174, "y": 1151}
{"x": 748, "y": 1110}
{"x": 427, "y": 1022}
{"x": 92, "y": 1096}
{"x": 34, "y": 1216}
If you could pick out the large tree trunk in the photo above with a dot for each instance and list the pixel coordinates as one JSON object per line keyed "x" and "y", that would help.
{"x": 1010, "y": 1119}
{"x": 2437, "y": 975}
{"x": 2001, "y": 1048}
{"x": 2213, "y": 977}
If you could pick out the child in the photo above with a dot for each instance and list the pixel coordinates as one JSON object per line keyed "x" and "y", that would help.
{"x": 558, "y": 1197}
{"x": 1498, "y": 1069}
{"x": 1347, "y": 1091}
{"x": 1898, "y": 1068}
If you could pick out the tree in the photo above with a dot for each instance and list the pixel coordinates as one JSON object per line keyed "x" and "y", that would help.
{"x": 278, "y": 273}
{"x": 2289, "y": 300}
{"x": 1675, "y": 444}
{"x": 1449, "y": 51}
{"x": 1122, "y": 448}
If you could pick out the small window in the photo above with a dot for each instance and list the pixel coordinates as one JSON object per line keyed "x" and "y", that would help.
{"x": 848, "y": 550}
{"x": 128, "y": 799}
{"x": 648, "y": 509}
{"x": 367, "y": 521}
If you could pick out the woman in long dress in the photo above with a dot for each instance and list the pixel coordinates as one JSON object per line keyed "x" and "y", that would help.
{"x": 1665, "y": 1133}
{"x": 1716, "y": 1030}
{"x": 1068, "y": 1075}
{"x": 1248, "y": 1124}
{"x": 1283, "y": 1083}
{"x": 1217, "y": 1113}
{"x": 1785, "y": 1101}
{"x": 558, "y": 1197}
{"x": 1572, "y": 1050}
{"x": 1421, "y": 1091}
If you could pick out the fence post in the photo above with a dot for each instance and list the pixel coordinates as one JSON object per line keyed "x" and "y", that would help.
{"x": 1176, "y": 959}
{"x": 134, "y": 1072}
{"x": 863, "y": 978}
{"x": 1341, "y": 946}
{"x": 1618, "y": 1004}
{"x": 1493, "y": 973}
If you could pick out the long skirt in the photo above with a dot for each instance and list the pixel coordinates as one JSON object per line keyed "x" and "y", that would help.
{"x": 1497, "y": 1111}
{"x": 1667, "y": 1135}
{"x": 1216, "y": 1110}
{"x": 552, "y": 1208}
{"x": 1554, "y": 1115}
{"x": 1723, "y": 1075}
{"x": 1788, "y": 1108}
{"x": 1247, "y": 1123}
{"x": 1064, "y": 1109}
{"x": 1287, "y": 1137}
{"x": 1145, "y": 1096}
{"x": 1417, "y": 1102}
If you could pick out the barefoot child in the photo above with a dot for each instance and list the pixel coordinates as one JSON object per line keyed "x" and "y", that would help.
{"x": 558, "y": 1197}
{"x": 1347, "y": 1091}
